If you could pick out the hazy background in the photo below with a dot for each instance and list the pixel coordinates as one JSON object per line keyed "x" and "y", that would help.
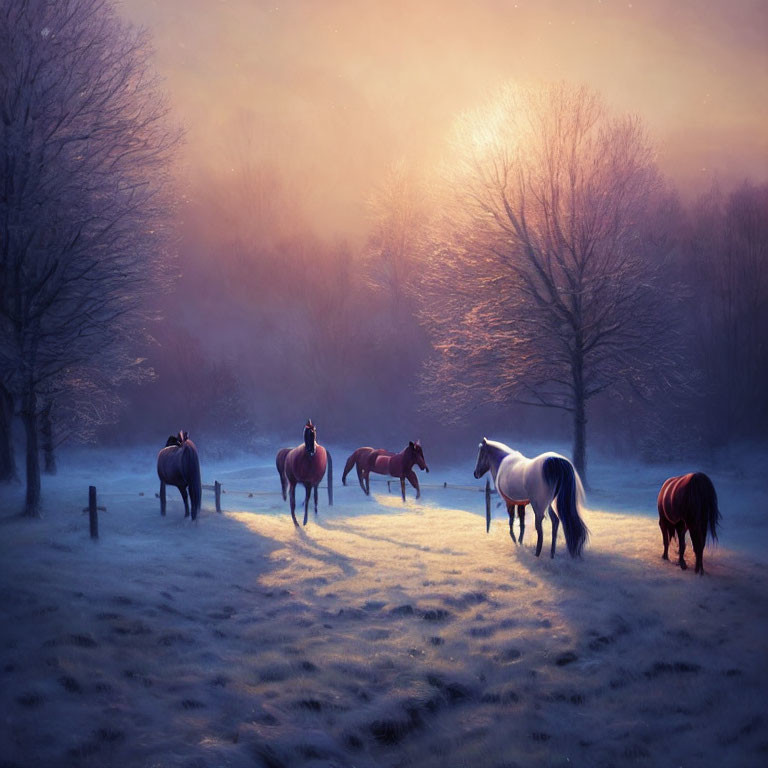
{"x": 295, "y": 116}
{"x": 331, "y": 92}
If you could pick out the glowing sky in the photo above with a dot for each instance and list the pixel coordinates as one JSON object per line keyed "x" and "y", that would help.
{"x": 333, "y": 91}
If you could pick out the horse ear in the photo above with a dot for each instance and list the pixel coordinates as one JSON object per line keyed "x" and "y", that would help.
{"x": 485, "y": 440}
{"x": 410, "y": 444}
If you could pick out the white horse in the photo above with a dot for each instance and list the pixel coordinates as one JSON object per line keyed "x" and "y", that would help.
{"x": 538, "y": 482}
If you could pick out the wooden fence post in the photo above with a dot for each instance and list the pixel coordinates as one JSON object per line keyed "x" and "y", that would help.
{"x": 487, "y": 505}
{"x": 93, "y": 515}
{"x": 217, "y": 491}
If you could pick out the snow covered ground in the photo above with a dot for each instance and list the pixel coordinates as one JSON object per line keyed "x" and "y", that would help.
{"x": 380, "y": 634}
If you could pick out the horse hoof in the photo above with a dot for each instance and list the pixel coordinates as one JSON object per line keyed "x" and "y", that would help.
{"x": 665, "y": 557}
{"x": 684, "y": 566}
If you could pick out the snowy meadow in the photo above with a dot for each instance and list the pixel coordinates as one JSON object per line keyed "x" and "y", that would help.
{"x": 382, "y": 634}
{"x": 417, "y": 223}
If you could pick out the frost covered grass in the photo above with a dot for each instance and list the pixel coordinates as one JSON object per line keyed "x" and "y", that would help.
{"x": 380, "y": 634}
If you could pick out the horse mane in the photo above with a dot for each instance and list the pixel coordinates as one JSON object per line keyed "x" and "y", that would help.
{"x": 503, "y": 449}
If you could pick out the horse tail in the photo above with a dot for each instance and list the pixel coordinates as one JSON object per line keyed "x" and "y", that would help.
{"x": 280, "y": 464}
{"x": 569, "y": 496}
{"x": 348, "y": 467}
{"x": 703, "y": 498}
{"x": 330, "y": 477}
{"x": 191, "y": 469}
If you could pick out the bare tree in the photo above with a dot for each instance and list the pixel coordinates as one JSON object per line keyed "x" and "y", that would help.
{"x": 7, "y": 457}
{"x": 84, "y": 170}
{"x": 541, "y": 288}
{"x": 399, "y": 216}
{"x": 728, "y": 273}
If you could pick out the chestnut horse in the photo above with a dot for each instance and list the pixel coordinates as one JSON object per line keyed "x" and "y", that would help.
{"x": 178, "y": 464}
{"x": 397, "y": 465}
{"x": 688, "y": 502}
{"x": 305, "y": 464}
{"x": 359, "y": 459}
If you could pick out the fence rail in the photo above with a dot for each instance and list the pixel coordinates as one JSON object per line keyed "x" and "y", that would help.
{"x": 218, "y": 490}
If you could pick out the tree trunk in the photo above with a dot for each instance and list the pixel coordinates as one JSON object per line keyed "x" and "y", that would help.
{"x": 580, "y": 440}
{"x": 7, "y": 456}
{"x": 29, "y": 418}
{"x": 46, "y": 433}
{"x": 579, "y": 420}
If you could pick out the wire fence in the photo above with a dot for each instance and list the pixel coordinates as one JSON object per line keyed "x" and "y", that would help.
{"x": 218, "y": 490}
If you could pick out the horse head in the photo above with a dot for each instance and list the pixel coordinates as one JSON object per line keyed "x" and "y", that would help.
{"x": 418, "y": 454}
{"x": 483, "y": 460}
{"x": 310, "y": 437}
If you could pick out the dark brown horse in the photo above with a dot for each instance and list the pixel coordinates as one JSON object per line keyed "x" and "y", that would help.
{"x": 397, "y": 465}
{"x": 305, "y": 464}
{"x": 688, "y": 503}
{"x": 178, "y": 464}
{"x": 359, "y": 459}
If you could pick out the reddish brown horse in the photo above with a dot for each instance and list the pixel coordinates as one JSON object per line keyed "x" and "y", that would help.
{"x": 359, "y": 459}
{"x": 397, "y": 465}
{"x": 305, "y": 464}
{"x": 688, "y": 503}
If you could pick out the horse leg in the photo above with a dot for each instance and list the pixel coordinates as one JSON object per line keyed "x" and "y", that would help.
{"x": 402, "y": 487}
{"x": 697, "y": 540}
{"x": 555, "y": 525}
{"x": 162, "y": 497}
{"x": 680, "y": 527}
{"x": 365, "y": 483}
{"x": 414, "y": 481}
{"x": 511, "y": 513}
{"x": 315, "y": 489}
{"x": 539, "y": 533}
{"x": 307, "y": 491}
{"x": 292, "y": 495}
{"x": 360, "y": 477}
{"x": 664, "y": 537}
{"x": 183, "y": 492}
{"x": 521, "y": 515}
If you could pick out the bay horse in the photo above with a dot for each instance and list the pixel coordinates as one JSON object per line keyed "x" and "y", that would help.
{"x": 539, "y": 481}
{"x": 688, "y": 502}
{"x": 398, "y": 465}
{"x": 305, "y": 464}
{"x": 178, "y": 464}
{"x": 360, "y": 459}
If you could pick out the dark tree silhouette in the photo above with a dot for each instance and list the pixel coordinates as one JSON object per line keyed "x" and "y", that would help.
{"x": 84, "y": 164}
{"x": 728, "y": 274}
